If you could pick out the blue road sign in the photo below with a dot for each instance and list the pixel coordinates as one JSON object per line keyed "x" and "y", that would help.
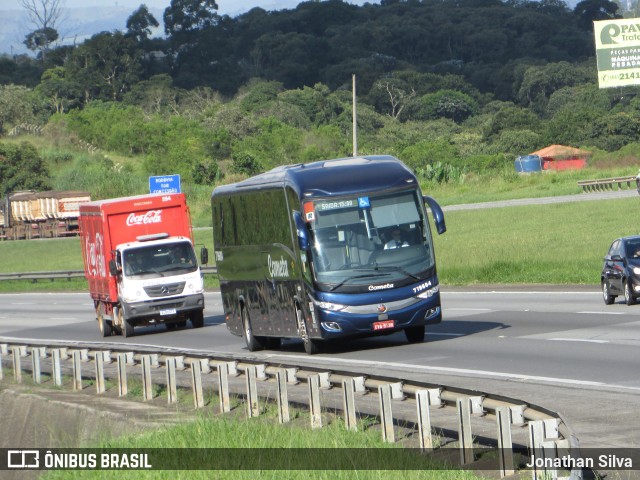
{"x": 164, "y": 184}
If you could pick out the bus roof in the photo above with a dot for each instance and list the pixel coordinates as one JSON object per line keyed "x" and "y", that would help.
{"x": 341, "y": 176}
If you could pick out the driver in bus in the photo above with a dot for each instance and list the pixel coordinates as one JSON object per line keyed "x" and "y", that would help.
{"x": 396, "y": 240}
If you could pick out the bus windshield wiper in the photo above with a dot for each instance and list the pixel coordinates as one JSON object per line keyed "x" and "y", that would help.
{"x": 398, "y": 269}
{"x": 348, "y": 279}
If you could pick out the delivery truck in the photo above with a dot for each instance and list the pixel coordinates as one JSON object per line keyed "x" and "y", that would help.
{"x": 140, "y": 263}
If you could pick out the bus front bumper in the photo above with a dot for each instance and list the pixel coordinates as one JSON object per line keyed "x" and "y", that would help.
{"x": 335, "y": 324}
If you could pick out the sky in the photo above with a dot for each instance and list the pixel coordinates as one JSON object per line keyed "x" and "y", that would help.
{"x": 80, "y": 21}
{"x": 228, "y": 7}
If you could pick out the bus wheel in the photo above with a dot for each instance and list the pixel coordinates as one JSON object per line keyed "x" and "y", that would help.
{"x": 197, "y": 318}
{"x": 311, "y": 346}
{"x": 273, "y": 343}
{"x": 253, "y": 343}
{"x": 415, "y": 334}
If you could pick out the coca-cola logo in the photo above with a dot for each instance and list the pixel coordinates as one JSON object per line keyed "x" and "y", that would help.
{"x": 152, "y": 216}
{"x": 95, "y": 258}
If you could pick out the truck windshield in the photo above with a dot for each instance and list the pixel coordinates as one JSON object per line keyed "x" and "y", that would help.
{"x": 360, "y": 241}
{"x": 159, "y": 260}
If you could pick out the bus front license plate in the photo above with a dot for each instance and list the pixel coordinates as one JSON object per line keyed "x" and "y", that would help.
{"x": 384, "y": 324}
{"x": 168, "y": 311}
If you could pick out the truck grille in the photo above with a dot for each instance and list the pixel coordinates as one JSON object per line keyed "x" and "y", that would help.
{"x": 164, "y": 290}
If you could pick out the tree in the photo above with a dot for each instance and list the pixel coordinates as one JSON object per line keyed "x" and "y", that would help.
{"x": 22, "y": 168}
{"x": 539, "y": 83}
{"x": 140, "y": 23}
{"x": 61, "y": 93}
{"x": 188, "y": 16}
{"x": 390, "y": 96}
{"x": 41, "y": 39}
{"x": 451, "y": 104}
{"x": 16, "y": 106}
{"x": 588, "y": 11}
{"x": 44, "y": 15}
{"x": 105, "y": 66}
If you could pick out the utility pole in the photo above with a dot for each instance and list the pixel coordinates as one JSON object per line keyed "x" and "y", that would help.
{"x": 354, "y": 116}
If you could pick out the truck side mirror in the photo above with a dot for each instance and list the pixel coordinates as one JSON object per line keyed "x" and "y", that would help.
{"x": 204, "y": 256}
{"x": 113, "y": 268}
{"x": 438, "y": 214}
{"x": 301, "y": 229}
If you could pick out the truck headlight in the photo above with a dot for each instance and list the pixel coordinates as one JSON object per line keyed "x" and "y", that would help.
{"x": 196, "y": 287}
{"x": 133, "y": 297}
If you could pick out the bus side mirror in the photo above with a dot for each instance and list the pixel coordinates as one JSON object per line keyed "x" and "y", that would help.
{"x": 438, "y": 214}
{"x": 301, "y": 229}
{"x": 113, "y": 268}
{"x": 204, "y": 256}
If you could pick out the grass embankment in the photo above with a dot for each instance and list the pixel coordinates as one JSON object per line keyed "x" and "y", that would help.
{"x": 228, "y": 432}
{"x": 555, "y": 244}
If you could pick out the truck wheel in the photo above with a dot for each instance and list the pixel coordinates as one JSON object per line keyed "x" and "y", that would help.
{"x": 415, "y": 334}
{"x": 253, "y": 343}
{"x": 197, "y": 318}
{"x": 125, "y": 326}
{"x": 104, "y": 325}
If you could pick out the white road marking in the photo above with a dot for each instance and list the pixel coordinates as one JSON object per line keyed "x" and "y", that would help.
{"x": 512, "y": 292}
{"x": 442, "y": 334}
{"x": 469, "y": 309}
{"x": 601, "y": 313}
{"x": 588, "y": 340}
{"x": 459, "y": 371}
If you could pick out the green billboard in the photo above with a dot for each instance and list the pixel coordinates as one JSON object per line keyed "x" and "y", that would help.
{"x": 618, "y": 52}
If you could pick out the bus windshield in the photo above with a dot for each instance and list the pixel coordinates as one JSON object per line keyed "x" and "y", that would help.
{"x": 359, "y": 241}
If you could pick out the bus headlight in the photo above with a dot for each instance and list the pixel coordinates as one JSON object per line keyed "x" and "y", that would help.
{"x": 429, "y": 293}
{"x": 332, "y": 307}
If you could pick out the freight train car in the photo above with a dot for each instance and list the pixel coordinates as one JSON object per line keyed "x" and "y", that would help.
{"x": 30, "y": 214}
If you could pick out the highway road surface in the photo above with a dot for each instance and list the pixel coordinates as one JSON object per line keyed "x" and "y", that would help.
{"x": 559, "y": 348}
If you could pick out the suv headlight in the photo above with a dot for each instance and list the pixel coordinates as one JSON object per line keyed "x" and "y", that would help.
{"x": 636, "y": 270}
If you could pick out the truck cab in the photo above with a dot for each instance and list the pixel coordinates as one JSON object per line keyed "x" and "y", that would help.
{"x": 159, "y": 280}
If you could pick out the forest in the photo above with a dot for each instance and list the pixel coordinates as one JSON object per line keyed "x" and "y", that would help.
{"x": 451, "y": 87}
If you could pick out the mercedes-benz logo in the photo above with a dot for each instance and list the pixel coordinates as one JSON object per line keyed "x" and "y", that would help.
{"x": 164, "y": 290}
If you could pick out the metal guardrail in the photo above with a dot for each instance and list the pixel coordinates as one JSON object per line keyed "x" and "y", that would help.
{"x": 66, "y": 274}
{"x": 604, "y": 184}
{"x": 404, "y": 408}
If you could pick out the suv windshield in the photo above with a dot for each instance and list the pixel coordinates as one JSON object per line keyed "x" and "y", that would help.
{"x": 367, "y": 240}
{"x": 159, "y": 260}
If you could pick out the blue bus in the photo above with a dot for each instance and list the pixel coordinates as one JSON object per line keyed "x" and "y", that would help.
{"x": 326, "y": 250}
